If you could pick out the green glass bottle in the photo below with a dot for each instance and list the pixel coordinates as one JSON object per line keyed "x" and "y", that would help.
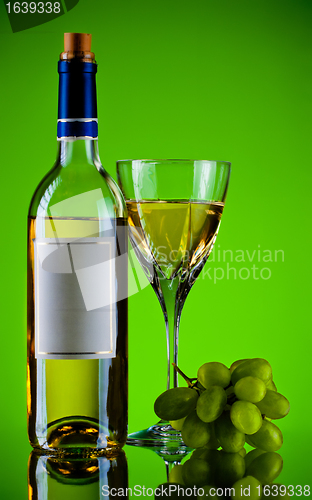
{"x": 77, "y": 281}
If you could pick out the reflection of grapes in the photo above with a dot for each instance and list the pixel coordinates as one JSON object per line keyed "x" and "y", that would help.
{"x": 266, "y": 467}
{"x": 175, "y": 475}
{"x": 253, "y": 491}
{"x": 277, "y": 491}
{"x": 220, "y": 469}
{"x": 206, "y": 491}
{"x": 252, "y": 455}
{"x": 231, "y": 467}
{"x": 224, "y": 408}
{"x": 197, "y": 472}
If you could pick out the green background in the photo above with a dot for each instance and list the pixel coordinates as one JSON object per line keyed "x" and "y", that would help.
{"x": 208, "y": 79}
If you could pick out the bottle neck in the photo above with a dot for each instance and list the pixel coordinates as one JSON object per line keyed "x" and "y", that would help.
{"x": 77, "y": 109}
{"x": 76, "y": 155}
{"x": 79, "y": 152}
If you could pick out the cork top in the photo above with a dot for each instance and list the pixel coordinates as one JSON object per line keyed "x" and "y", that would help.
{"x": 77, "y": 46}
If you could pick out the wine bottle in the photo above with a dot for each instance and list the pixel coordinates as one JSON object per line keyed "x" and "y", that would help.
{"x": 77, "y": 281}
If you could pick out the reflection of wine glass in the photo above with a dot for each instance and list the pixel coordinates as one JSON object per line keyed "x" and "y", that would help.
{"x": 174, "y": 211}
{"x": 51, "y": 477}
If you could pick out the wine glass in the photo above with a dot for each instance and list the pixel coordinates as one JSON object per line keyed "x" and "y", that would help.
{"x": 174, "y": 212}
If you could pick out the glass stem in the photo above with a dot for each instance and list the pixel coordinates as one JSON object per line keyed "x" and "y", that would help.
{"x": 170, "y": 308}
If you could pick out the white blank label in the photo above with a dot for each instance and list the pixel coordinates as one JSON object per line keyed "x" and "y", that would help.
{"x": 75, "y": 300}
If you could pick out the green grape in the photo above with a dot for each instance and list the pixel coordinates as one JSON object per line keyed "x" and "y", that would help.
{"x": 236, "y": 363}
{"x": 274, "y": 405}
{"x": 213, "y": 443}
{"x": 268, "y": 438}
{"x": 251, "y": 455}
{"x": 196, "y": 472}
{"x": 214, "y": 373}
{"x": 256, "y": 367}
{"x": 248, "y": 441}
{"x": 200, "y": 387}
{"x": 270, "y": 385}
{"x": 211, "y": 456}
{"x": 195, "y": 433}
{"x": 175, "y": 403}
{"x": 231, "y": 468}
{"x": 247, "y": 487}
{"x": 210, "y": 403}
{"x": 230, "y": 392}
{"x": 177, "y": 424}
{"x": 230, "y": 438}
{"x": 246, "y": 417}
{"x": 266, "y": 467}
{"x": 250, "y": 389}
{"x": 175, "y": 475}
{"x": 242, "y": 452}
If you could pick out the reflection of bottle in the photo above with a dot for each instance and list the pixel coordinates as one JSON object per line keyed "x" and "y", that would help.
{"x": 77, "y": 281}
{"x": 51, "y": 478}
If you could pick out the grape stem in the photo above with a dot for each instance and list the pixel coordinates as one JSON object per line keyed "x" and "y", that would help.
{"x": 190, "y": 381}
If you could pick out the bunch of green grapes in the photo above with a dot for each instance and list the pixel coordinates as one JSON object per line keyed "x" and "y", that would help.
{"x": 222, "y": 409}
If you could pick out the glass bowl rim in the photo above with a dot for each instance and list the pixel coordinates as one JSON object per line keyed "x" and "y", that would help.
{"x": 172, "y": 160}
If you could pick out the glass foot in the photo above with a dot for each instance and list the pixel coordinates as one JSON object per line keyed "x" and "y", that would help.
{"x": 162, "y": 437}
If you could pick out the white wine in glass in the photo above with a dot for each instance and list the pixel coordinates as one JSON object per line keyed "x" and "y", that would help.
{"x": 175, "y": 235}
